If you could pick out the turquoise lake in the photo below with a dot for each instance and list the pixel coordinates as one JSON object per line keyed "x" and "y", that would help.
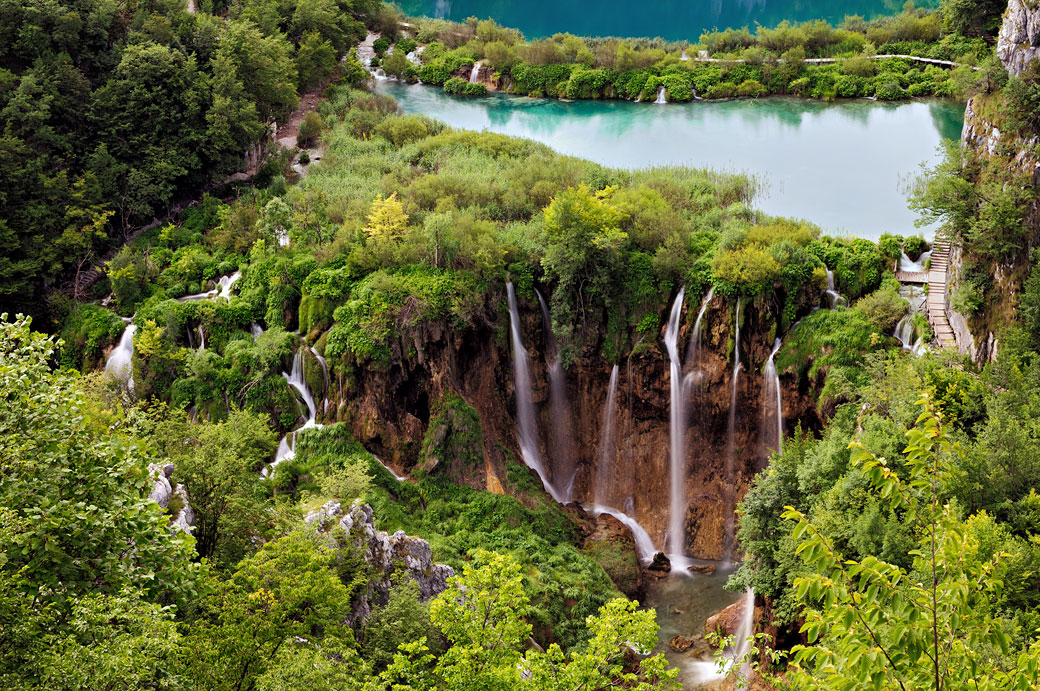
{"x": 844, "y": 166}
{"x": 671, "y": 19}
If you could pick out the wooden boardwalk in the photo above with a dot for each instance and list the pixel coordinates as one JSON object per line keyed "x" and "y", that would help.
{"x": 937, "y": 282}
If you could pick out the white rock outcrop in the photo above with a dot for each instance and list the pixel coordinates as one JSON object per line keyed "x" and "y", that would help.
{"x": 163, "y": 490}
{"x": 1019, "y": 40}
{"x": 386, "y": 554}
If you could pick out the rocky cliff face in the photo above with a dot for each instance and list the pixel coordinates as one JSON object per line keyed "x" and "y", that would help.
{"x": 388, "y": 409}
{"x": 387, "y": 554}
{"x": 1019, "y": 40}
{"x": 1018, "y": 44}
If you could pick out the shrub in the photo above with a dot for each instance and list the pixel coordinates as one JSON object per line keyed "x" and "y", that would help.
{"x": 721, "y": 90}
{"x": 750, "y": 88}
{"x": 883, "y": 308}
{"x": 310, "y": 128}
{"x": 890, "y": 90}
{"x": 848, "y": 86}
{"x": 405, "y": 46}
{"x": 914, "y": 245}
{"x": 462, "y": 87}
{"x": 381, "y": 44}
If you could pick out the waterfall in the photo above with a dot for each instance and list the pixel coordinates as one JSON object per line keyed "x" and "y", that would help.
{"x": 296, "y": 379}
{"x": 910, "y": 266}
{"x": 905, "y": 330}
{"x": 527, "y": 427}
{"x": 772, "y": 405}
{"x": 399, "y": 478}
{"x": 119, "y": 360}
{"x": 563, "y": 461}
{"x": 256, "y": 330}
{"x": 607, "y": 448}
{"x": 835, "y": 297}
{"x": 324, "y": 377}
{"x": 677, "y": 436}
{"x": 661, "y": 95}
{"x": 202, "y": 339}
{"x": 731, "y": 437}
{"x": 705, "y": 672}
{"x": 905, "y": 333}
{"x": 644, "y": 545}
{"x": 191, "y": 337}
{"x": 223, "y": 289}
{"x": 693, "y": 350}
{"x": 226, "y": 283}
{"x": 474, "y": 74}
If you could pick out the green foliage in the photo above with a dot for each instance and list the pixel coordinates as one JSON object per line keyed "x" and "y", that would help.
{"x": 402, "y": 620}
{"x": 87, "y": 332}
{"x": 453, "y": 438}
{"x": 366, "y": 322}
{"x": 867, "y": 620}
{"x": 480, "y": 615}
{"x": 87, "y": 562}
{"x": 285, "y": 592}
{"x": 883, "y": 308}
{"x": 463, "y": 87}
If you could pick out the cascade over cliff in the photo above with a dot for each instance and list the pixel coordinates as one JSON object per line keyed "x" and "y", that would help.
{"x": 392, "y": 408}
{"x": 1018, "y": 44}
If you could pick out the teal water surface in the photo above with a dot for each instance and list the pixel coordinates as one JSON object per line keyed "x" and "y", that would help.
{"x": 671, "y": 19}
{"x": 844, "y": 166}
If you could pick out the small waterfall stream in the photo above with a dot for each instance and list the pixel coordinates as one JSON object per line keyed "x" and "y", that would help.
{"x": 662, "y": 96}
{"x": 563, "y": 462}
{"x": 223, "y": 289}
{"x": 677, "y": 438}
{"x": 772, "y": 404}
{"x": 693, "y": 350}
{"x": 645, "y": 549}
{"x": 474, "y": 75}
{"x": 296, "y": 379}
{"x": 909, "y": 265}
{"x": 324, "y": 377}
{"x": 904, "y": 332}
{"x": 731, "y": 437}
{"x": 119, "y": 360}
{"x": 607, "y": 447}
{"x": 836, "y": 298}
{"x": 256, "y": 330}
{"x": 527, "y": 426}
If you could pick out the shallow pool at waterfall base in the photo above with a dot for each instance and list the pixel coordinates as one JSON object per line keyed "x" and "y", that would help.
{"x": 845, "y": 166}
{"x": 683, "y": 603}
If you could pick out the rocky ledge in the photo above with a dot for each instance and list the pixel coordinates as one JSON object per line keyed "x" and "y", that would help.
{"x": 387, "y": 554}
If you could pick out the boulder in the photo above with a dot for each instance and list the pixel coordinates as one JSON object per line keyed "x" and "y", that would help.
{"x": 706, "y": 569}
{"x": 726, "y": 620}
{"x": 661, "y": 563}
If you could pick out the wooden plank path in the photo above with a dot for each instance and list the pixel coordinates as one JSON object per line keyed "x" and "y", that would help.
{"x": 937, "y": 282}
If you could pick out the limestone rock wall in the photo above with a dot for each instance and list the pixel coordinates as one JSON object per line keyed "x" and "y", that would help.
{"x": 388, "y": 409}
{"x": 1019, "y": 40}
